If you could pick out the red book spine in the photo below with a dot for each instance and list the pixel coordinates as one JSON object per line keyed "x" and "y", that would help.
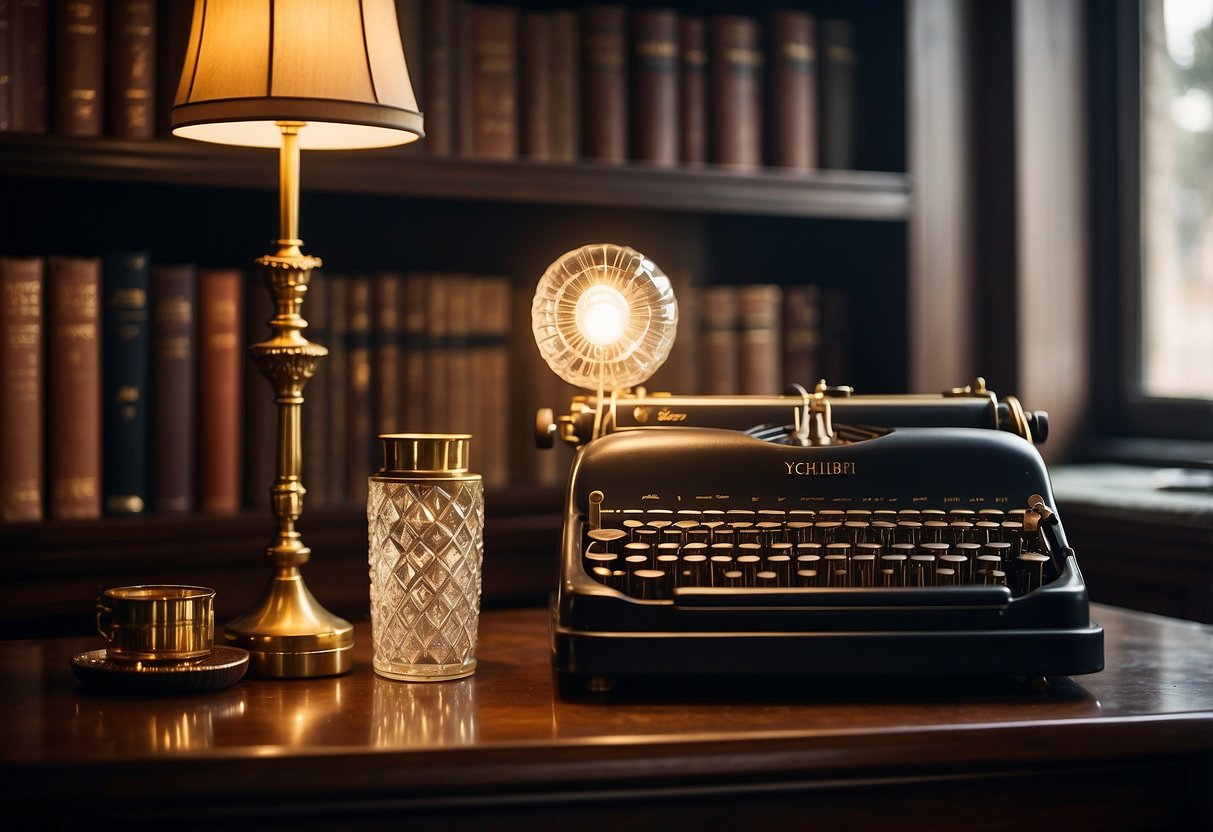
{"x": 22, "y": 484}
{"x": 736, "y": 67}
{"x": 80, "y": 67}
{"x": 220, "y": 359}
{"x": 131, "y": 72}
{"x": 655, "y": 112}
{"x": 693, "y": 91}
{"x": 74, "y": 388}
{"x": 604, "y": 105}
{"x": 29, "y": 21}
{"x": 793, "y": 102}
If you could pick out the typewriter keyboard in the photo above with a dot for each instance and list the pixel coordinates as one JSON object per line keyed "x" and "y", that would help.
{"x": 648, "y": 553}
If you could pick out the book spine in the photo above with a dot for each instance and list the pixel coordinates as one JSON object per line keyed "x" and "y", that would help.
{"x": 22, "y": 481}
{"x": 173, "y": 363}
{"x": 655, "y": 109}
{"x": 490, "y": 368}
{"x": 410, "y": 20}
{"x": 437, "y": 355}
{"x": 461, "y": 78}
{"x": 315, "y": 403}
{"x": 793, "y": 99}
{"x": 336, "y": 297}
{"x": 259, "y": 419}
{"x": 173, "y": 24}
{"x": 736, "y": 84}
{"x": 837, "y": 105}
{"x": 536, "y": 86}
{"x": 385, "y": 349}
{"x": 802, "y": 335}
{"x": 565, "y": 85}
{"x": 30, "y": 28}
{"x": 125, "y": 349}
{"x": 7, "y": 59}
{"x": 80, "y": 67}
{"x": 604, "y": 104}
{"x": 759, "y": 340}
{"x": 492, "y": 86}
{"x": 693, "y": 91}
{"x": 358, "y": 415}
{"x": 459, "y": 384}
{"x": 220, "y": 362}
{"x": 413, "y": 388}
{"x": 438, "y": 77}
{"x": 74, "y": 389}
{"x": 131, "y": 71}
{"x": 718, "y": 341}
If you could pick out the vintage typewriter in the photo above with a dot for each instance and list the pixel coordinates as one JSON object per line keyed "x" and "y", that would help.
{"x": 810, "y": 535}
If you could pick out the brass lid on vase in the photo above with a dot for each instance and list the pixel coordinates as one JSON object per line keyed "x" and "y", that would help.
{"x": 426, "y": 454}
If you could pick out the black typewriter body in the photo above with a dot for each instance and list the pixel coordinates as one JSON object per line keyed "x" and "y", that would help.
{"x": 906, "y": 551}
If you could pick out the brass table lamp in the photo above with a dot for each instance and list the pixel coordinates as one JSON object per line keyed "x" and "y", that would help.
{"x": 293, "y": 74}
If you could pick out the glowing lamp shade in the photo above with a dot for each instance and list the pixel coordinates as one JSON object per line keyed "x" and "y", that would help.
{"x": 604, "y": 315}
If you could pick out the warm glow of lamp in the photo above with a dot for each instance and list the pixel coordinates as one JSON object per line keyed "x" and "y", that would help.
{"x": 293, "y": 75}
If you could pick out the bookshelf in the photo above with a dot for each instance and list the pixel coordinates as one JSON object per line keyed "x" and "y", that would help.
{"x": 880, "y": 233}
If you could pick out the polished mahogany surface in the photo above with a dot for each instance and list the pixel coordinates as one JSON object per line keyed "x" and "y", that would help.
{"x": 1123, "y": 748}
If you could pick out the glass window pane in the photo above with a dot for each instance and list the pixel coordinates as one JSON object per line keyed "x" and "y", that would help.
{"x": 1177, "y": 199}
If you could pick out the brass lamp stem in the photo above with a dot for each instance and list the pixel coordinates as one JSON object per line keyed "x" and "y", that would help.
{"x": 287, "y": 632}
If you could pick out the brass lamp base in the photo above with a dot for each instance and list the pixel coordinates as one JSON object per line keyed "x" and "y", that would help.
{"x": 289, "y": 635}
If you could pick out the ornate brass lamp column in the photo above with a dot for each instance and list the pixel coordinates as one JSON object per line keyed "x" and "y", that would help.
{"x": 288, "y": 633}
{"x": 326, "y": 75}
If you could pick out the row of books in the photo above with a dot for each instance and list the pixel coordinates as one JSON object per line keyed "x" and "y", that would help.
{"x": 127, "y": 386}
{"x": 598, "y": 82}
{"x": 650, "y": 85}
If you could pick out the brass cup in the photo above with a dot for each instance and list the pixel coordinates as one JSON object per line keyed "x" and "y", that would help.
{"x": 157, "y": 623}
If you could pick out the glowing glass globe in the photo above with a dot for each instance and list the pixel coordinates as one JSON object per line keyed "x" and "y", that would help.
{"x": 604, "y": 314}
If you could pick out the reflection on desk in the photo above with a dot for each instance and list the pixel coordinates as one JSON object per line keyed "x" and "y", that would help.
{"x": 1131, "y": 747}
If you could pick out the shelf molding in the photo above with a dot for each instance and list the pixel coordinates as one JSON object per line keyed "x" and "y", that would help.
{"x": 853, "y": 195}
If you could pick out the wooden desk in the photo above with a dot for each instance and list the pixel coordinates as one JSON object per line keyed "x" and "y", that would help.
{"x": 1128, "y": 748}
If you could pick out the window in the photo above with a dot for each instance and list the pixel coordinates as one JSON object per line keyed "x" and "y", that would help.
{"x": 1152, "y": 165}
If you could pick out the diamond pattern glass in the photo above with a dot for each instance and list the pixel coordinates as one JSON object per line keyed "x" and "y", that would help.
{"x": 426, "y": 550}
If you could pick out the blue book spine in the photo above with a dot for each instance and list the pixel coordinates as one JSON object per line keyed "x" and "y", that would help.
{"x": 125, "y": 353}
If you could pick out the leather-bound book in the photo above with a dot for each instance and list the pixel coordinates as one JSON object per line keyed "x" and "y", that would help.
{"x": 437, "y": 354}
{"x": 535, "y": 87}
{"x": 438, "y": 77}
{"x": 413, "y": 388}
{"x": 760, "y": 339}
{"x": 22, "y": 388}
{"x": 126, "y": 344}
{"x": 693, "y": 91}
{"x": 736, "y": 89}
{"x": 837, "y": 101}
{"x": 604, "y": 83}
{"x": 335, "y": 378}
{"x": 221, "y": 355}
{"x": 718, "y": 341}
{"x": 6, "y": 66}
{"x": 173, "y": 362}
{"x": 315, "y": 471}
{"x": 131, "y": 69}
{"x": 654, "y": 80}
{"x": 385, "y": 352}
{"x": 489, "y": 344}
{"x": 793, "y": 93}
{"x": 459, "y": 382}
{"x": 29, "y": 65}
{"x": 492, "y": 83}
{"x": 79, "y": 82}
{"x": 802, "y": 336}
{"x": 74, "y": 388}
{"x": 260, "y": 413}
{"x": 564, "y": 84}
{"x": 359, "y": 419}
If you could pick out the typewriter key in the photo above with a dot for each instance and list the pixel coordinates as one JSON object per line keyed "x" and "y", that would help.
{"x": 1030, "y": 571}
{"x": 933, "y": 531}
{"x": 638, "y": 550}
{"x": 766, "y": 580}
{"x": 863, "y": 568}
{"x": 647, "y": 584}
{"x": 882, "y": 531}
{"x": 1002, "y": 550}
{"x": 962, "y": 532}
{"x": 781, "y": 565}
{"x": 826, "y": 532}
{"x": 748, "y": 564}
{"x": 959, "y": 564}
{"x": 607, "y": 537}
{"x": 693, "y": 571}
{"x": 909, "y": 532}
{"x": 986, "y": 531}
{"x": 732, "y": 579}
{"x": 922, "y": 570}
{"x": 945, "y": 576}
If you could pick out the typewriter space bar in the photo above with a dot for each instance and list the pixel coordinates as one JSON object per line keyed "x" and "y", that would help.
{"x": 936, "y": 598}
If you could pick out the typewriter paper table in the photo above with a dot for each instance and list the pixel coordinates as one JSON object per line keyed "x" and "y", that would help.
{"x": 1128, "y": 748}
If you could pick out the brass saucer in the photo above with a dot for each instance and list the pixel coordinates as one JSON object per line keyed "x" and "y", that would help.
{"x": 223, "y": 667}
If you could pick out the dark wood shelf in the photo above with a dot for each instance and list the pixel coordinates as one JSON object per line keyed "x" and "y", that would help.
{"x": 858, "y": 195}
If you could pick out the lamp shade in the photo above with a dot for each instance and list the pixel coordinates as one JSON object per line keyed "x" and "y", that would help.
{"x": 337, "y": 65}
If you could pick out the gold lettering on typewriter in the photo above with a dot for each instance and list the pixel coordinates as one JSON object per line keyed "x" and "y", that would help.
{"x": 667, "y": 415}
{"x": 820, "y": 469}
